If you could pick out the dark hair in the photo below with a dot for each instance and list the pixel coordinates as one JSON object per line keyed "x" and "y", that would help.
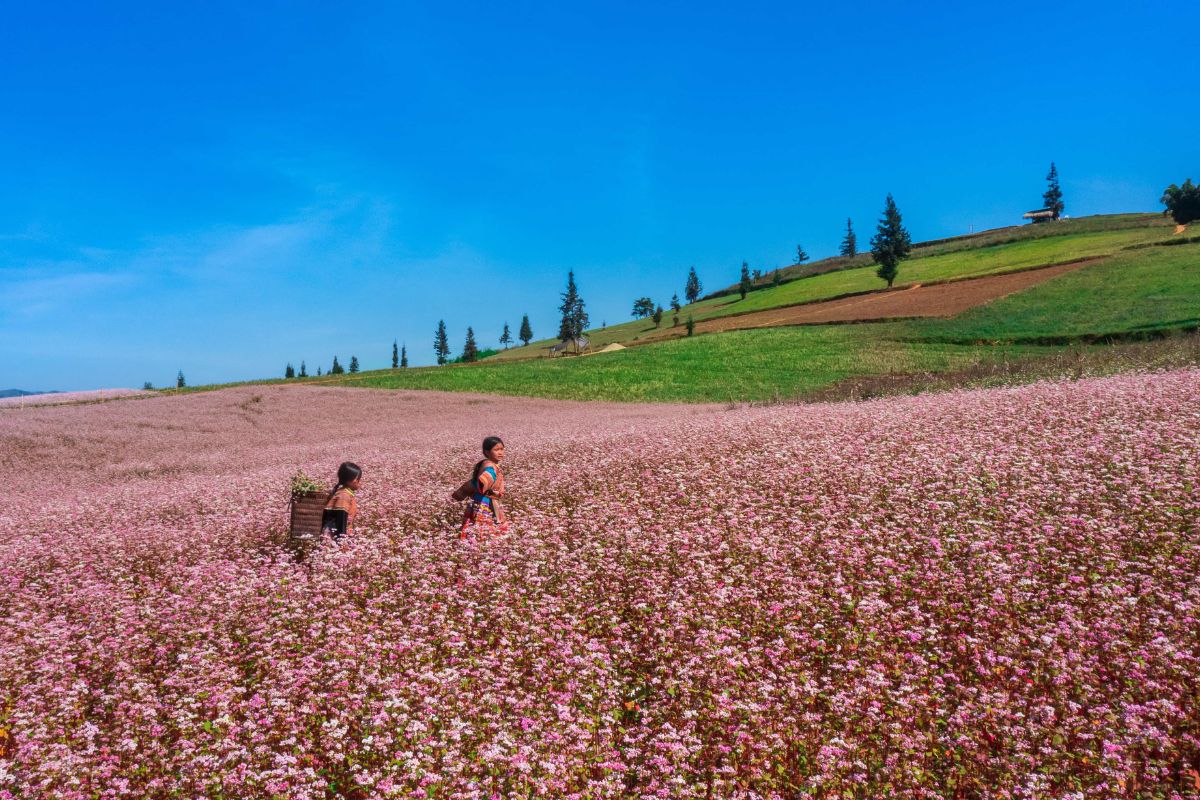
{"x": 347, "y": 472}
{"x": 488, "y": 444}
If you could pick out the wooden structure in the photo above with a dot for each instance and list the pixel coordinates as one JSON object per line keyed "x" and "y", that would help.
{"x": 305, "y": 532}
{"x": 569, "y": 347}
{"x": 1039, "y": 215}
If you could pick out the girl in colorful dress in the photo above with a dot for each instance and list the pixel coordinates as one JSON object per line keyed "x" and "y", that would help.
{"x": 342, "y": 499}
{"x": 484, "y": 490}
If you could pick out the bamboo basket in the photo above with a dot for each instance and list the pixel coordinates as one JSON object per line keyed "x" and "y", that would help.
{"x": 305, "y": 532}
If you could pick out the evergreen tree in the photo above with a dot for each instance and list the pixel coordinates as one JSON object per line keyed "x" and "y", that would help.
{"x": 289, "y": 371}
{"x": 148, "y": 386}
{"x": 403, "y": 356}
{"x": 744, "y": 286}
{"x": 336, "y": 369}
{"x": 1053, "y": 198}
{"x": 353, "y": 364}
{"x": 506, "y": 337}
{"x": 574, "y": 318}
{"x": 691, "y": 289}
{"x": 755, "y": 275}
{"x": 303, "y": 370}
{"x": 675, "y": 307}
{"x": 441, "y": 344}
{"x": 526, "y": 332}
{"x": 658, "y": 314}
{"x": 891, "y": 243}
{"x": 318, "y": 370}
{"x": 801, "y": 256}
{"x": 691, "y": 325}
{"x": 470, "y": 349}
{"x": 849, "y": 241}
{"x": 1182, "y": 202}
{"x": 642, "y": 307}
{"x": 179, "y": 381}
{"x": 776, "y": 278}
{"x": 395, "y": 355}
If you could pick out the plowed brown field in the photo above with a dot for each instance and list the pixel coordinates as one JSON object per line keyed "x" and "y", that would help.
{"x": 939, "y": 300}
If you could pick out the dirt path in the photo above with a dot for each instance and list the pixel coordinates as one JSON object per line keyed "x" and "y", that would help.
{"x": 940, "y": 300}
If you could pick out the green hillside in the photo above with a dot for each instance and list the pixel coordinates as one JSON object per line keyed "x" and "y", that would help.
{"x": 1138, "y": 292}
{"x": 992, "y": 253}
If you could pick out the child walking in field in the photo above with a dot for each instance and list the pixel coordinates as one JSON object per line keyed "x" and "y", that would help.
{"x": 342, "y": 505}
{"x": 484, "y": 490}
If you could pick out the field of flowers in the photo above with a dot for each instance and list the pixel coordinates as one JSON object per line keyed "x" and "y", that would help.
{"x": 974, "y": 594}
{"x": 64, "y": 398}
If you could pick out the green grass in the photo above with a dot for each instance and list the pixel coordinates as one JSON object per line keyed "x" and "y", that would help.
{"x": 1087, "y": 240}
{"x": 1137, "y": 291}
{"x": 739, "y": 366}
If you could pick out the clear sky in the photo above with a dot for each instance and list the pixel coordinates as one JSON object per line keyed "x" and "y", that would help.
{"x": 225, "y": 187}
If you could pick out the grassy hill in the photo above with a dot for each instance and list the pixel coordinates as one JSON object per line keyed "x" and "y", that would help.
{"x": 988, "y": 253}
{"x": 1095, "y": 319}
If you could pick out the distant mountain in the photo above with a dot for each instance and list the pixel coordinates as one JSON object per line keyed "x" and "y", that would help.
{"x": 19, "y": 392}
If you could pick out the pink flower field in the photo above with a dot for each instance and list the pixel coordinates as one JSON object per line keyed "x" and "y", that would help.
{"x": 977, "y": 594}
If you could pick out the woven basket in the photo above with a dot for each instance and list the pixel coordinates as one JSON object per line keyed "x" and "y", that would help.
{"x": 305, "y": 532}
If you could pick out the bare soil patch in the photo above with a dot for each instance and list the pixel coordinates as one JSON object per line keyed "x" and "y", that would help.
{"x": 936, "y": 300}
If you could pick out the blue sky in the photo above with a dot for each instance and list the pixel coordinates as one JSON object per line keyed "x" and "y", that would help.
{"x": 228, "y": 187}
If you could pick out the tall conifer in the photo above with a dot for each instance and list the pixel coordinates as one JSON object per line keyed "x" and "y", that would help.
{"x": 1053, "y": 198}
{"x": 691, "y": 289}
{"x": 441, "y": 344}
{"x": 849, "y": 241}
{"x": 891, "y": 243}
{"x": 470, "y": 349}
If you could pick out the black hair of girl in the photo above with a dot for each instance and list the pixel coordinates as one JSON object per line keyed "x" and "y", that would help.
{"x": 348, "y": 471}
{"x": 488, "y": 444}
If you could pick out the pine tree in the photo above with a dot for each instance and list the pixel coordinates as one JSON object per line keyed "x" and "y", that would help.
{"x": 691, "y": 289}
{"x": 395, "y": 355}
{"x": 675, "y": 307}
{"x": 849, "y": 241}
{"x": 506, "y": 337}
{"x": 801, "y": 256}
{"x": 179, "y": 381}
{"x": 353, "y": 364}
{"x": 403, "y": 356}
{"x": 1053, "y": 198}
{"x": 891, "y": 244}
{"x": 318, "y": 370}
{"x": 657, "y": 317}
{"x": 776, "y": 278}
{"x": 303, "y": 370}
{"x": 470, "y": 349}
{"x": 691, "y": 325}
{"x": 526, "y": 332}
{"x": 441, "y": 344}
{"x": 574, "y": 317}
{"x": 744, "y": 286}
{"x": 289, "y": 371}
{"x": 336, "y": 369}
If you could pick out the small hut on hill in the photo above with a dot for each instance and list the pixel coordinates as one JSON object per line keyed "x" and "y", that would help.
{"x": 569, "y": 347}
{"x": 1039, "y": 215}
